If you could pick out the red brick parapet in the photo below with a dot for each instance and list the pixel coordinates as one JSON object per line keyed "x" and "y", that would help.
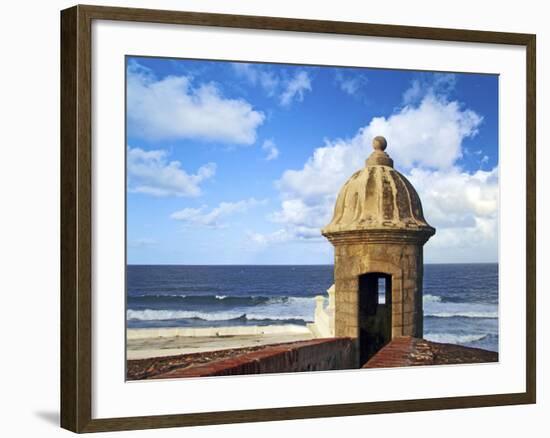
{"x": 312, "y": 355}
{"x": 408, "y": 351}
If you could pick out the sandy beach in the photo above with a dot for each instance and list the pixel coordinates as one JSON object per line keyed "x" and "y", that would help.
{"x": 162, "y": 342}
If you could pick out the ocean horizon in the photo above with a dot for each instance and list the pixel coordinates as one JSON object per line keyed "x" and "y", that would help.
{"x": 460, "y": 299}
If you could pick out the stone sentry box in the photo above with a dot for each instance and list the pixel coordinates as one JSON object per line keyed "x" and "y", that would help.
{"x": 378, "y": 231}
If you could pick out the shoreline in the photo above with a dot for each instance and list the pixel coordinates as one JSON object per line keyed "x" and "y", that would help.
{"x": 146, "y": 343}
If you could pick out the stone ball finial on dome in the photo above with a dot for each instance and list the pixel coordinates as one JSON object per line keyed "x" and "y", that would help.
{"x": 378, "y": 156}
{"x": 379, "y": 143}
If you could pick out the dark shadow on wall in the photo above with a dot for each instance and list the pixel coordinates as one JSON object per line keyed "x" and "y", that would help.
{"x": 374, "y": 316}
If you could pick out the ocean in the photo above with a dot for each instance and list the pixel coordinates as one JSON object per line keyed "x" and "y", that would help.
{"x": 460, "y": 300}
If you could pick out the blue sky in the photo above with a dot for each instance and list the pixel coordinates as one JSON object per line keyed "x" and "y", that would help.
{"x": 240, "y": 163}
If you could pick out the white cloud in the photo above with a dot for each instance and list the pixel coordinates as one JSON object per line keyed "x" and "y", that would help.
{"x": 299, "y": 220}
{"x": 274, "y": 84}
{"x": 298, "y": 213}
{"x": 425, "y": 140}
{"x": 295, "y": 88}
{"x": 463, "y": 207}
{"x": 278, "y": 236}
{"x": 427, "y": 136}
{"x": 173, "y": 108}
{"x": 283, "y": 235}
{"x": 150, "y": 172}
{"x": 271, "y": 149}
{"x": 256, "y": 75}
{"x": 213, "y": 218}
{"x": 477, "y": 196}
{"x": 438, "y": 84}
{"x": 351, "y": 84}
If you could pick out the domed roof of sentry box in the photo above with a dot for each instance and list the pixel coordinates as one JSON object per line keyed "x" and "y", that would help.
{"x": 378, "y": 197}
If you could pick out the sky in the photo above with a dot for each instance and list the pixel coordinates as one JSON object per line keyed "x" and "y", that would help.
{"x": 241, "y": 163}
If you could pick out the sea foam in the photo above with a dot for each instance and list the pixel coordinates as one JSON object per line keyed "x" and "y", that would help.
{"x": 451, "y": 338}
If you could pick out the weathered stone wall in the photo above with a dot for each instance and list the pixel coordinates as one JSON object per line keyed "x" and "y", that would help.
{"x": 403, "y": 261}
{"x": 314, "y": 355}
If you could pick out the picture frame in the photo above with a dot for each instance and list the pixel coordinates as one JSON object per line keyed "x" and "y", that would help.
{"x": 77, "y": 238}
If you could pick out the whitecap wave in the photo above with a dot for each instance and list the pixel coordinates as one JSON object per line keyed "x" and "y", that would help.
{"x": 442, "y": 309}
{"x": 463, "y": 314}
{"x": 451, "y": 338}
{"x": 299, "y": 309}
{"x": 161, "y": 315}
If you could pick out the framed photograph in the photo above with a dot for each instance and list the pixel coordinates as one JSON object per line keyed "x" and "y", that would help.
{"x": 269, "y": 218}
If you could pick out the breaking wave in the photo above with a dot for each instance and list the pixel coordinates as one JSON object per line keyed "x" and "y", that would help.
{"x": 165, "y": 315}
{"x": 441, "y": 309}
{"x": 463, "y": 314}
{"x": 236, "y": 308}
{"x": 228, "y": 300}
{"x": 450, "y": 338}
